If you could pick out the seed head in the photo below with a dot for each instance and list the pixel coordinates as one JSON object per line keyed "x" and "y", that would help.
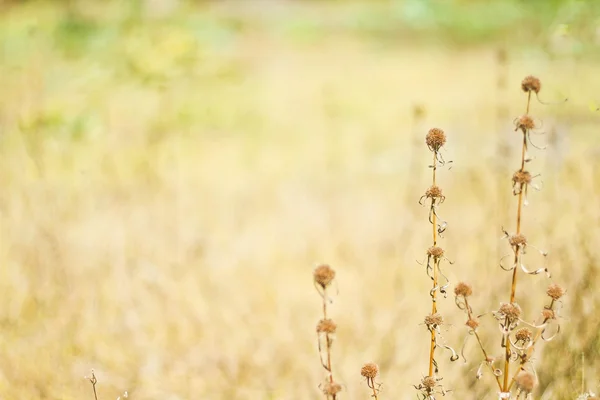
{"x": 434, "y": 192}
{"x": 323, "y": 275}
{"x": 548, "y": 313}
{"x": 326, "y": 326}
{"x": 463, "y": 289}
{"x": 531, "y": 83}
{"x": 555, "y": 291}
{"x": 369, "y": 370}
{"x": 525, "y": 381}
{"x": 525, "y": 123}
{"x": 472, "y": 323}
{"x": 434, "y": 320}
{"x": 332, "y": 388}
{"x": 523, "y": 335}
{"x": 522, "y": 177}
{"x": 517, "y": 240}
{"x": 428, "y": 382}
{"x": 435, "y": 251}
{"x": 510, "y": 310}
{"x": 435, "y": 139}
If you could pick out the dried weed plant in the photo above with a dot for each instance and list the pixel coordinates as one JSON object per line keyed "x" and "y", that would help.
{"x": 518, "y": 336}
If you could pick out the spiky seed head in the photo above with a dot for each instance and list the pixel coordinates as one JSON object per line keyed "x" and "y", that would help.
{"x": 369, "y": 370}
{"x": 463, "y": 289}
{"x": 472, "y": 323}
{"x": 555, "y": 291}
{"x": 510, "y": 310}
{"x": 525, "y": 381}
{"x": 531, "y": 83}
{"x": 434, "y": 320}
{"x": 332, "y": 388}
{"x": 525, "y": 123}
{"x": 323, "y": 275}
{"x": 548, "y": 313}
{"x": 522, "y": 177}
{"x": 523, "y": 335}
{"x": 435, "y": 139}
{"x": 428, "y": 382}
{"x": 326, "y": 326}
{"x": 435, "y": 251}
{"x": 434, "y": 192}
{"x": 517, "y": 240}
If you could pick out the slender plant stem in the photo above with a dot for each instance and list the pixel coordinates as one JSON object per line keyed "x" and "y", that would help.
{"x": 371, "y": 384}
{"x": 513, "y": 289}
{"x": 435, "y": 272}
{"x": 327, "y": 340}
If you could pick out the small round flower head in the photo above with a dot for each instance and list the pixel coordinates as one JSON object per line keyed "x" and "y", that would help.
{"x": 525, "y": 381}
{"x": 332, "y": 388}
{"x": 326, "y": 326}
{"x": 522, "y": 177}
{"x": 435, "y": 139}
{"x": 434, "y": 192}
{"x": 525, "y": 123}
{"x": 463, "y": 289}
{"x": 434, "y": 320}
{"x": 523, "y": 335}
{"x": 511, "y": 310}
{"x": 435, "y": 251}
{"x": 369, "y": 370}
{"x": 531, "y": 83}
{"x": 428, "y": 382}
{"x": 548, "y": 314}
{"x": 323, "y": 275}
{"x": 555, "y": 291}
{"x": 517, "y": 240}
{"x": 472, "y": 323}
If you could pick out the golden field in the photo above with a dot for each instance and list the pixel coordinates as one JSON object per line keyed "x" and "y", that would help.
{"x": 170, "y": 181}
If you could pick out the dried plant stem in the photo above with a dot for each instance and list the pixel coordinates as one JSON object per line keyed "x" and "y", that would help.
{"x": 327, "y": 341}
{"x": 513, "y": 289}
{"x": 435, "y": 272}
{"x": 371, "y": 384}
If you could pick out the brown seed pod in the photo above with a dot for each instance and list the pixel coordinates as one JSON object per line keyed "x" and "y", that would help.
{"x": 555, "y": 291}
{"x": 369, "y": 370}
{"x": 463, "y": 289}
{"x": 323, "y": 275}
{"x": 517, "y": 240}
{"x": 326, "y": 326}
{"x": 434, "y": 192}
{"x": 332, "y": 388}
{"x": 435, "y": 251}
{"x": 510, "y": 310}
{"x": 531, "y": 83}
{"x": 428, "y": 382}
{"x": 548, "y": 314}
{"x": 525, "y": 381}
{"x": 524, "y": 123}
{"x": 472, "y": 323}
{"x": 523, "y": 335}
{"x": 522, "y": 177}
{"x": 435, "y": 139}
{"x": 433, "y": 320}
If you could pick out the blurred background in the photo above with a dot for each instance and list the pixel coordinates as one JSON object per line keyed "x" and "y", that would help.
{"x": 173, "y": 171}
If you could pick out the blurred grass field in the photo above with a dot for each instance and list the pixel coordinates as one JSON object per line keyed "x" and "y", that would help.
{"x": 171, "y": 174}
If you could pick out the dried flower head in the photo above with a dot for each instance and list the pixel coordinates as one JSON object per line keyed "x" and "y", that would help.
{"x": 434, "y": 192}
{"x": 531, "y": 83}
{"x": 435, "y": 251}
{"x": 517, "y": 240}
{"x": 434, "y": 320}
{"x": 463, "y": 289}
{"x": 522, "y": 177}
{"x": 326, "y": 326}
{"x": 472, "y": 323}
{"x": 548, "y": 314}
{"x": 369, "y": 370}
{"x": 324, "y": 275}
{"x": 525, "y": 381}
{"x": 555, "y": 291}
{"x": 332, "y": 388}
{"x": 510, "y": 310}
{"x": 523, "y": 335}
{"x": 524, "y": 123}
{"x": 428, "y": 382}
{"x": 435, "y": 139}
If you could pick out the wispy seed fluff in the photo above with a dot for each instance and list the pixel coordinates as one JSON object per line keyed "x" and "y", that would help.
{"x": 326, "y": 326}
{"x": 512, "y": 311}
{"x": 428, "y": 382}
{"x": 555, "y": 291}
{"x": 531, "y": 83}
{"x": 523, "y": 335}
{"x": 522, "y": 177}
{"x": 323, "y": 275}
{"x": 525, "y": 123}
{"x": 435, "y": 251}
{"x": 525, "y": 381}
{"x": 434, "y": 320}
{"x": 463, "y": 289}
{"x": 435, "y": 139}
{"x": 369, "y": 370}
{"x": 434, "y": 192}
{"x": 517, "y": 240}
{"x": 332, "y": 388}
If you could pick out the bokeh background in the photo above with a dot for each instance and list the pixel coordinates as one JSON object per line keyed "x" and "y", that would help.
{"x": 171, "y": 172}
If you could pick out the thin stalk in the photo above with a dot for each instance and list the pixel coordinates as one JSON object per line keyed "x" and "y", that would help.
{"x": 371, "y": 384}
{"x": 435, "y": 272}
{"x": 327, "y": 341}
{"x": 513, "y": 289}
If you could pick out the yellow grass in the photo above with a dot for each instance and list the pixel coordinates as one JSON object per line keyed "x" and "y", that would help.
{"x": 164, "y": 202}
